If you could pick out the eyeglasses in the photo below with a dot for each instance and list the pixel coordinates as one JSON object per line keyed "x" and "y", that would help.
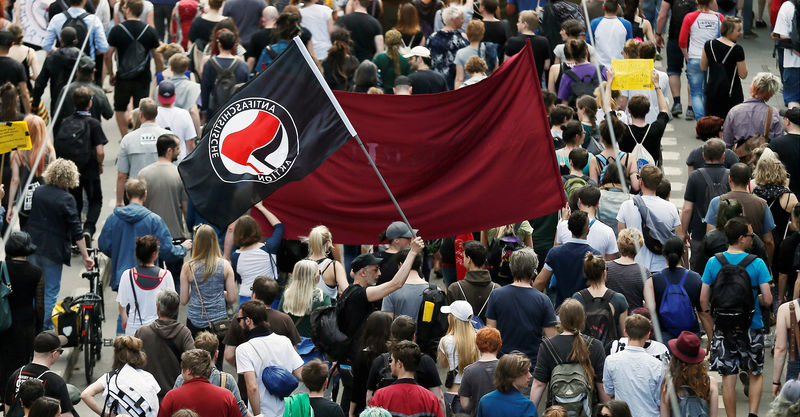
{"x": 239, "y": 319}
{"x": 749, "y": 234}
{"x": 60, "y": 351}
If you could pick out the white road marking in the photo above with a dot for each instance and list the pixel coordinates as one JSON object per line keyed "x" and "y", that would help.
{"x": 677, "y": 186}
{"x": 669, "y": 128}
{"x": 670, "y": 156}
{"x": 669, "y": 141}
{"x": 672, "y": 171}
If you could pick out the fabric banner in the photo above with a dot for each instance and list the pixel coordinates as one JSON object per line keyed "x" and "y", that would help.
{"x": 276, "y": 129}
{"x": 458, "y": 161}
{"x": 32, "y": 16}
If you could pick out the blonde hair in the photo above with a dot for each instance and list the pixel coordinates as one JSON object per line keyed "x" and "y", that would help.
{"x": 302, "y": 289}
{"x": 631, "y": 48}
{"x": 38, "y": 135}
{"x": 167, "y": 50}
{"x": 463, "y": 341}
{"x": 393, "y": 40}
{"x": 318, "y": 238}
{"x": 628, "y": 240}
{"x": 770, "y": 171}
{"x": 205, "y": 251}
{"x": 375, "y": 90}
{"x": 62, "y": 173}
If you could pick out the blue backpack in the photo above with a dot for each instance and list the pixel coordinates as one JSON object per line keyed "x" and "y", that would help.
{"x": 270, "y": 54}
{"x": 675, "y": 311}
{"x": 604, "y": 163}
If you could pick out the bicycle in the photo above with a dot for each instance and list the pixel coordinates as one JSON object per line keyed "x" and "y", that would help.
{"x": 92, "y": 313}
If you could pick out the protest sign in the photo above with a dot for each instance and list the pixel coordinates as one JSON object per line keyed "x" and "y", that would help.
{"x": 14, "y": 135}
{"x": 632, "y": 74}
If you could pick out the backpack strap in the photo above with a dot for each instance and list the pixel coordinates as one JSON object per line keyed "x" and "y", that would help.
{"x": 487, "y": 300}
{"x": 747, "y": 260}
{"x": 794, "y": 339}
{"x": 216, "y": 64}
{"x": 722, "y": 259}
{"x": 767, "y": 120}
{"x": 683, "y": 278}
{"x": 458, "y": 283}
{"x": 131, "y": 272}
{"x": 223, "y": 379}
{"x": 571, "y": 74}
{"x": 550, "y": 349}
{"x": 128, "y": 32}
{"x": 607, "y": 299}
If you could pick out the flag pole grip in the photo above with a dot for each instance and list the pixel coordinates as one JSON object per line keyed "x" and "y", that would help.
{"x": 385, "y": 186}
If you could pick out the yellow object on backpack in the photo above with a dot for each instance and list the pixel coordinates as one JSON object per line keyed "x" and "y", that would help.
{"x": 66, "y": 316}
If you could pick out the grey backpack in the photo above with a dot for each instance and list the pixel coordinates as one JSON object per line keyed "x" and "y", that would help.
{"x": 654, "y": 231}
{"x": 569, "y": 385}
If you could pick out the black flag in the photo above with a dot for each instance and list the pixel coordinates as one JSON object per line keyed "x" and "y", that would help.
{"x": 277, "y": 128}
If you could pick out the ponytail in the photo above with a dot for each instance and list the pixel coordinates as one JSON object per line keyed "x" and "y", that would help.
{"x": 573, "y": 319}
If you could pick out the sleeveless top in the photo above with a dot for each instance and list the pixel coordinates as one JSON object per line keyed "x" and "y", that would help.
{"x": 772, "y": 194}
{"x": 564, "y": 162}
{"x": 331, "y": 292}
{"x": 213, "y": 294}
{"x": 637, "y": 31}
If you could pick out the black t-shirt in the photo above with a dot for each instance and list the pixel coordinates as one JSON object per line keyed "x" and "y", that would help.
{"x": 355, "y": 310}
{"x": 696, "y": 193}
{"x": 324, "y": 407}
{"x": 97, "y": 138}
{"x": 540, "y": 45}
{"x": 562, "y": 345}
{"x": 692, "y": 286}
{"x": 788, "y": 149}
{"x": 496, "y": 32}
{"x": 12, "y": 71}
{"x": 427, "y": 376}
{"x": 201, "y": 30}
{"x": 363, "y": 30}
{"x": 54, "y": 386}
{"x": 24, "y": 278}
{"x": 427, "y": 82}
{"x": 120, "y": 40}
{"x": 389, "y": 266}
{"x": 677, "y": 16}
{"x": 652, "y": 138}
{"x": 736, "y": 55}
{"x": 696, "y": 161}
{"x": 786, "y": 256}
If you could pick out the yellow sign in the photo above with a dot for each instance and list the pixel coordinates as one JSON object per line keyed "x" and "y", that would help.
{"x": 632, "y": 74}
{"x": 14, "y": 135}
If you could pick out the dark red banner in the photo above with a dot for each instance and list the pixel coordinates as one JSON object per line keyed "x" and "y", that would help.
{"x": 459, "y": 161}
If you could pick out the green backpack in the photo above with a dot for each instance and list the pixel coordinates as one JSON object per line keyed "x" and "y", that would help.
{"x": 573, "y": 184}
{"x": 569, "y": 384}
{"x": 297, "y": 405}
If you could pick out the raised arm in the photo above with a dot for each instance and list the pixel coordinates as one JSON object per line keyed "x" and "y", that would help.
{"x": 377, "y": 292}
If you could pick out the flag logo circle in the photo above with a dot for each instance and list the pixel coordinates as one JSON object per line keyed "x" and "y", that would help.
{"x": 253, "y": 139}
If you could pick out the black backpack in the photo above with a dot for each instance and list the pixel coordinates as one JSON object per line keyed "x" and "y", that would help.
{"x": 732, "y": 301}
{"x": 718, "y": 83}
{"x": 326, "y": 333}
{"x": 135, "y": 59}
{"x": 289, "y": 253}
{"x": 712, "y": 189}
{"x": 431, "y": 322}
{"x": 581, "y": 86}
{"x": 600, "y": 323}
{"x": 80, "y": 27}
{"x": 224, "y": 84}
{"x": 385, "y": 377}
{"x": 499, "y": 255}
{"x": 72, "y": 140}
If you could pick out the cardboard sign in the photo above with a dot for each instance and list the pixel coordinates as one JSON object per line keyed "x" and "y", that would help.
{"x": 632, "y": 74}
{"x": 14, "y": 135}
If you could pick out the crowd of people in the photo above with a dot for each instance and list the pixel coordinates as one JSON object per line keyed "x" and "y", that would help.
{"x": 625, "y": 316}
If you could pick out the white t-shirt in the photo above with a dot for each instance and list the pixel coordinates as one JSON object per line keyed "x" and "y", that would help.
{"x": 652, "y": 114}
{"x": 261, "y": 352}
{"x": 315, "y": 19}
{"x": 146, "y": 299}
{"x": 610, "y": 35}
{"x": 705, "y": 27}
{"x": 601, "y": 237}
{"x": 621, "y": 115}
{"x": 783, "y": 26}
{"x": 655, "y": 348}
{"x": 145, "y": 387}
{"x": 254, "y": 263}
{"x": 662, "y": 210}
{"x": 179, "y": 122}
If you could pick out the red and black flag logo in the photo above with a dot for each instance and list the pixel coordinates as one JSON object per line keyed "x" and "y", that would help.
{"x": 277, "y": 128}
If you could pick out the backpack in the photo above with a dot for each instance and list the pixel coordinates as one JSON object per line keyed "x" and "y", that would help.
{"x": 326, "y": 333}
{"x": 123, "y": 397}
{"x": 499, "y": 255}
{"x": 600, "y": 323}
{"x": 718, "y": 83}
{"x": 16, "y": 408}
{"x": 581, "y": 86}
{"x": 610, "y": 201}
{"x": 603, "y": 163}
{"x": 432, "y": 324}
{"x": 72, "y": 140}
{"x": 80, "y": 27}
{"x": 385, "y": 377}
{"x": 488, "y": 52}
{"x": 569, "y": 384}
{"x": 691, "y": 405}
{"x": 654, "y": 231}
{"x": 224, "y": 84}
{"x": 640, "y": 154}
{"x": 297, "y": 405}
{"x": 289, "y": 253}
{"x": 675, "y": 312}
{"x": 136, "y": 59}
{"x": 712, "y": 189}
{"x": 732, "y": 301}
{"x": 269, "y": 54}
{"x": 555, "y": 13}
{"x": 572, "y": 184}
{"x": 477, "y": 321}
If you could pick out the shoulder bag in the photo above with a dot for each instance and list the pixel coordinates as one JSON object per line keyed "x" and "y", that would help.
{"x": 219, "y": 327}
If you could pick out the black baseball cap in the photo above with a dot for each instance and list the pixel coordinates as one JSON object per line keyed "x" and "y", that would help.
{"x": 48, "y": 341}
{"x": 363, "y": 261}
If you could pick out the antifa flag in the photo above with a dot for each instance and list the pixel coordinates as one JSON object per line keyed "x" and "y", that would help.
{"x": 459, "y": 161}
{"x": 276, "y": 129}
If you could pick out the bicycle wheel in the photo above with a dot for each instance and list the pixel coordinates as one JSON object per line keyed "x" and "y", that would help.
{"x": 88, "y": 347}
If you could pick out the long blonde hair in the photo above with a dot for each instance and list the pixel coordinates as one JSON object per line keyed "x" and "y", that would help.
{"x": 38, "y": 135}
{"x": 394, "y": 39}
{"x": 464, "y": 342}
{"x": 318, "y": 238}
{"x": 206, "y": 250}
{"x": 302, "y": 288}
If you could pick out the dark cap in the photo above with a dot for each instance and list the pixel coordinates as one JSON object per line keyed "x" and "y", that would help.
{"x": 68, "y": 36}
{"x": 86, "y": 63}
{"x": 6, "y": 39}
{"x": 48, "y": 341}
{"x": 399, "y": 229}
{"x": 793, "y": 115}
{"x": 402, "y": 80}
{"x": 166, "y": 92}
{"x": 20, "y": 244}
{"x": 363, "y": 261}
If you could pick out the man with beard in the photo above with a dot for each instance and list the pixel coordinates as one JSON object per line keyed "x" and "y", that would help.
{"x": 423, "y": 79}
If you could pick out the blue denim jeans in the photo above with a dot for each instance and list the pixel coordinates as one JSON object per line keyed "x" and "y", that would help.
{"x": 791, "y": 85}
{"x": 747, "y": 16}
{"x": 52, "y": 285}
{"x": 697, "y": 83}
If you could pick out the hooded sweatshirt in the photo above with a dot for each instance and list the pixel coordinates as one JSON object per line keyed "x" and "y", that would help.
{"x": 475, "y": 288}
{"x": 164, "y": 341}
{"x": 118, "y": 238}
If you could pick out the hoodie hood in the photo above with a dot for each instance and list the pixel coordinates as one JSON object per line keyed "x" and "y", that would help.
{"x": 480, "y": 278}
{"x": 167, "y": 329}
{"x": 131, "y": 213}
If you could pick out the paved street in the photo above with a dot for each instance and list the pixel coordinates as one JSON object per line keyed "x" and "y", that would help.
{"x": 678, "y": 141}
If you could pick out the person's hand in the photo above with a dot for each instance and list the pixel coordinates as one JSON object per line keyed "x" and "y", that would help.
{"x": 88, "y": 263}
{"x": 776, "y": 389}
{"x": 659, "y": 40}
{"x": 9, "y": 215}
{"x": 120, "y": 204}
{"x": 100, "y": 164}
{"x": 775, "y": 36}
{"x": 417, "y": 245}
{"x": 655, "y": 77}
{"x": 111, "y": 79}
{"x": 124, "y": 323}
{"x": 2, "y": 191}
{"x": 610, "y": 74}
{"x": 260, "y": 205}
{"x": 187, "y": 244}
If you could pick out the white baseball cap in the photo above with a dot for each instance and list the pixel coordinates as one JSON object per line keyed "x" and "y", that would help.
{"x": 460, "y": 309}
{"x": 419, "y": 51}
